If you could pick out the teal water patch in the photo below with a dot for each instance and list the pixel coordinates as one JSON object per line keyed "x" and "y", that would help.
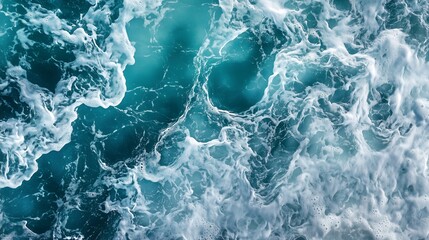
{"x": 239, "y": 82}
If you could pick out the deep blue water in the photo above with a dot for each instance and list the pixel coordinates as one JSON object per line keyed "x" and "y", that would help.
{"x": 207, "y": 119}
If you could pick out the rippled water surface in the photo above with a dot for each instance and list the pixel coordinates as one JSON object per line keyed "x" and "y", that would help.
{"x": 214, "y": 119}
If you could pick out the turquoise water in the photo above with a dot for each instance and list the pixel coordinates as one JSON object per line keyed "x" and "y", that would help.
{"x": 198, "y": 119}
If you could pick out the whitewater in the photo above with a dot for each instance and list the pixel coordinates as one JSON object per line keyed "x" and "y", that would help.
{"x": 214, "y": 119}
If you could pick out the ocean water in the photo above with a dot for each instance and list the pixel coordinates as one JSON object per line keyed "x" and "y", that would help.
{"x": 214, "y": 119}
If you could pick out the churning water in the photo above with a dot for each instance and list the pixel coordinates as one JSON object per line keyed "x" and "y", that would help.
{"x": 206, "y": 119}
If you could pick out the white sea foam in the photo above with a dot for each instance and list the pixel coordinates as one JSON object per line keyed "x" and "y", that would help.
{"x": 325, "y": 165}
{"x": 367, "y": 184}
{"x": 53, "y": 113}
